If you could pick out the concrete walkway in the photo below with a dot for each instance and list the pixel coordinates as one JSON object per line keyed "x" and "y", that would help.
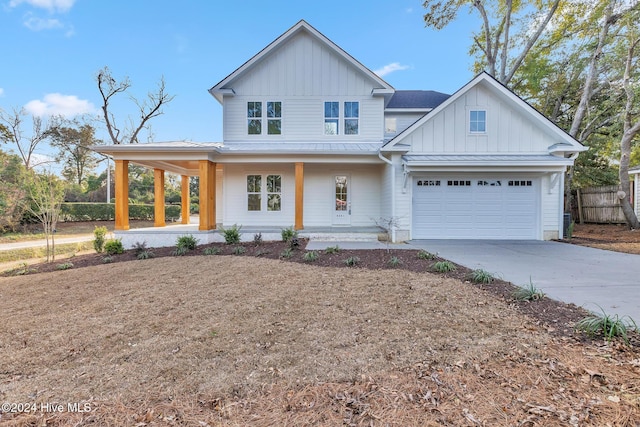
{"x": 591, "y": 278}
{"x": 43, "y": 243}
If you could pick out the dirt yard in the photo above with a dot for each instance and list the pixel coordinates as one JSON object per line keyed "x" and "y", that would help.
{"x": 242, "y": 340}
{"x": 607, "y": 236}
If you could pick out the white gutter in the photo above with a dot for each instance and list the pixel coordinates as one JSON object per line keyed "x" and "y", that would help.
{"x": 384, "y": 159}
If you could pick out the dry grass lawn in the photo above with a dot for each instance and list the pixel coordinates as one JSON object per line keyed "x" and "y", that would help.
{"x": 246, "y": 341}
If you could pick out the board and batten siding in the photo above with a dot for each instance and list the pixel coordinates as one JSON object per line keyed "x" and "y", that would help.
{"x": 302, "y": 74}
{"x": 508, "y": 130}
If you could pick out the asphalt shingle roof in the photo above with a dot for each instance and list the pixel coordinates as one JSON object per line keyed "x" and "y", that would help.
{"x": 416, "y": 99}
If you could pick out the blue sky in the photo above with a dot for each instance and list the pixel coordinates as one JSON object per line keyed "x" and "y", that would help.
{"x": 53, "y": 49}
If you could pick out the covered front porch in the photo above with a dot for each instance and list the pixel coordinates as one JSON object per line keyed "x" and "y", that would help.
{"x": 225, "y": 174}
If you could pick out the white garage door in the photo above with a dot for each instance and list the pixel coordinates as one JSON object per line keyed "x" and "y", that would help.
{"x": 475, "y": 208}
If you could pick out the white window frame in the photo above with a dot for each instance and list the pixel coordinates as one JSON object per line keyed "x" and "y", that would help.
{"x": 355, "y": 118}
{"x": 340, "y": 118}
{"x": 330, "y": 119}
{"x": 264, "y": 118}
{"x": 472, "y": 110}
{"x": 263, "y": 192}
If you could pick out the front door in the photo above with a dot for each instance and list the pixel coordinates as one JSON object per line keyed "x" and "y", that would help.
{"x": 342, "y": 200}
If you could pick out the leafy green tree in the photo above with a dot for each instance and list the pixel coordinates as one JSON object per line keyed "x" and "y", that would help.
{"x": 12, "y": 191}
{"x": 73, "y": 144}
{"x": 509, "y": 29}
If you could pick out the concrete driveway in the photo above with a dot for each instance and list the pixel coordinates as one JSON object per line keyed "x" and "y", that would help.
{"x": 590, "y": 278}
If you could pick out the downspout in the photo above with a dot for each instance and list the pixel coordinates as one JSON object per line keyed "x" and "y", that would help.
{"x": 561, "y": 200}
{"x": 393, "y": 198}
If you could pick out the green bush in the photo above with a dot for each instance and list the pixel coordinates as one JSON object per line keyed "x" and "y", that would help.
{"x": 188, "y": 242}
{"x": 145, "y": 254}
{"x": 310, "y": 256}
{"x": 212, "y": 250}
{"x": 231, "y": 235}
{"x": 332, "y": 249}
{"x": 286, "y": 253}
{"x": 480, "y": 276}
{"x": 608, "y": 326}
{"x": 64, "y": 266}
{"x": 444, "y": 266}
{"x": 114, "y": 247}
{"x": 288, "y": 234}
{"x": 239, "y": 250}
{"x": 99, "y": 234}
{"x": 352, "y": 261}
{"x": 528, "y": 293}
{"x": 394, "y": 261}
{"x": 426, "y": 255}
{"x": 106, "y": 212}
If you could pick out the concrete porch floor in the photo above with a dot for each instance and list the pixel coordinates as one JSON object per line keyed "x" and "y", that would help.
{"x": 156, "y": 237}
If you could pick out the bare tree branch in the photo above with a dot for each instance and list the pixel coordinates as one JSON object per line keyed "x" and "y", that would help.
{"x": 150, "y": 108}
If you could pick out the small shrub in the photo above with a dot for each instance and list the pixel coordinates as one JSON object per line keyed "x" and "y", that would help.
{"x": 294, "y": 243}
{"x": 444, "y": 266}
{"x": 180, "y": 251}
{"x": 394, "y": 261}
{"x": 261, "y": 252}
{"x": 20, "y": 270}
{"x": 288, "y": 234}
{"x": 257, "y": 239}
{"x": 481, "y": 276}
{"x": 426, "y": 255}
{"x": 107, "y": 260}
{"x": 189, "y": 242}
{"x": 608, "y": 326}
{"x": 528, "y": 293}
{"x": 232, "y": 234}
{"x": 114, "y": 247}
{"x": 146, "y": 254}
{"x": 332, "y": 249}
{"x": 570, "y": 230}
{"x": 139, "y": 247}
{"x": 239, "y": 250}
{"x": 286, "y": 253}
{"x": 310, "y": 256}
{"x": 211, "y": 251}
{"x": 352, "y": 261}
{"x": 64, "y": 266}
{"x": 99, "y": 234}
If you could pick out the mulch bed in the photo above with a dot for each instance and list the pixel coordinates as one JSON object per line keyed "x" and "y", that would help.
{"x": 557, "y": 317}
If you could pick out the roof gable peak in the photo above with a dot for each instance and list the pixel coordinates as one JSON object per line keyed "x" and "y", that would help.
{"x": 223, "y": 87}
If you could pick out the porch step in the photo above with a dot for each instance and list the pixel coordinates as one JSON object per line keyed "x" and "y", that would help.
{"x": 341, "y": 237}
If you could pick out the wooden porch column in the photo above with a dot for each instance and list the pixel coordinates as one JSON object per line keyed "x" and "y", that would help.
{"x": 158, "y": 198}
{"x": 186, "y": 203}
{"x": 207, "y": 195}
{"x": 122, "y": 195}
{"x": 299, "y": 204}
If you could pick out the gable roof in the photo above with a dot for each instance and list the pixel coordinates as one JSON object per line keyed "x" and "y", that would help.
{"x": 416, "y": 99}
{"x": 223, "y": 86}
{"x": 566, "y": 141}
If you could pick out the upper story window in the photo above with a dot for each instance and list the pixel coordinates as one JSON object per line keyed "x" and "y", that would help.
{"x": 351, "y": 117}
{"x": 390, "y": 125}
{"x": 477, "y": 121}
{"x": 331, "y": 118}
{"x": 254, "y": 118}
{"x": 273, "y": 117}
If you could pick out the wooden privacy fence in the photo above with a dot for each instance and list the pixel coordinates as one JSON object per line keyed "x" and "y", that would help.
{"x": 600, "y": 205}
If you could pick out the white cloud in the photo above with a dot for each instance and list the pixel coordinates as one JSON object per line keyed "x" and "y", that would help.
{"x": 38, "y": 24}
{"x": 1, "y": 92}
{"x": 55, "y": 104}
{"x": 50, "y": 5}
{"x": 390, "y": 68}
{"x": 409, "y": 10}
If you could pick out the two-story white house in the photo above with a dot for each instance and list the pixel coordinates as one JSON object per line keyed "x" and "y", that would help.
{"x": 313, "y": 138}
